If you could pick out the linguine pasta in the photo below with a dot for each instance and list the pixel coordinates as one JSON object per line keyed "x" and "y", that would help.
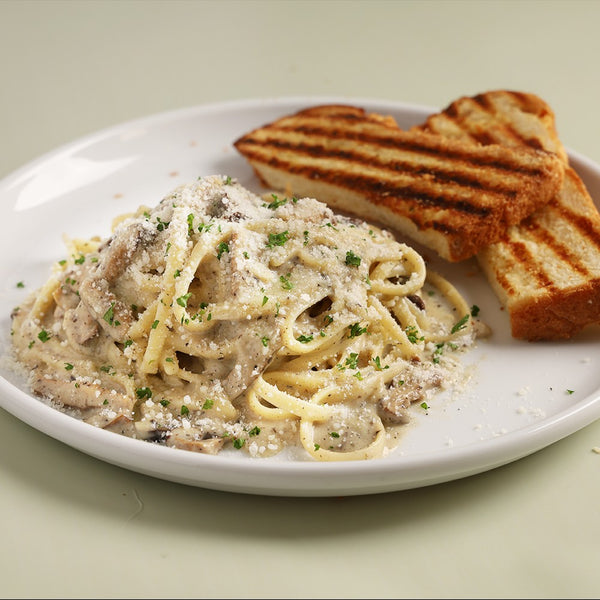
{"x": 221, "y": 319}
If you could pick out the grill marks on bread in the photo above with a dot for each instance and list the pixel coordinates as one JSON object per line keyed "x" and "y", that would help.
{"x": 562, "y": 238}
{"x": 546, "y": 270}
{"x": 450, "y": 195}
{"x": 514, "y": 119}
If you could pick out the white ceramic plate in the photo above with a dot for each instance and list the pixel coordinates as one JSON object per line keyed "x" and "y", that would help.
{"x": 516, "y": 403}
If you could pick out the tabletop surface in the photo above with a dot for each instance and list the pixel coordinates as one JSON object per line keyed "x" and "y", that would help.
{"x": 74, "y": 526}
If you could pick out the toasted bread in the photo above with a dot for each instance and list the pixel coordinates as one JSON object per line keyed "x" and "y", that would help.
{"x": 504, "y": 117}
{"x": 450, "y": 195}
{"x": 545, "y": 270}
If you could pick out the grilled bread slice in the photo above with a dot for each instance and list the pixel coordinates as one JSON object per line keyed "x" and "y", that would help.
{"x": 504, "y": 117}
{"x": 450, "y": 195}
{"x": 546, "y": 270}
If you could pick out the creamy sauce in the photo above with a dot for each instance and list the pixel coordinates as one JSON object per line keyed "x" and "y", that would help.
{"x": 219, "y": 318}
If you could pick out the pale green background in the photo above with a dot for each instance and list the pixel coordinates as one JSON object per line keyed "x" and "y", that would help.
{"x": 72, "y": 526}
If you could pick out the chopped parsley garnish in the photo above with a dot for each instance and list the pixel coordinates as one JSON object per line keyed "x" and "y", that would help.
{"x": 352, "y": 361}
{"x": 221, "y": 249}
{"x": 277, "y": 239}
{"x": 355, "y": 330}
{"x": 80, "y": 260}
{"x": 412, "y": 333}
{"x": 205, "y": 227}
{"x": 439, "y": 348}
{"x": 165, "y": 402}
{"x": 334, "y": 434}
{"x": 161, "y": 225}
{"x": 305, "y": 339}
{"x": 20, "y": 284}
{"x": 286, "y": 284}
{"x": 109, "y": 315}
{"x": 144, "y": 392}
{"x": 155, "y": 324}
{"x": 44, "y": 336}
{"x": 184, "y": 410}
{"x": 570, "y": 392}
{"x": 183, "y": 300}
{"x": 265, "y": 341}
{"x": 460, "y": 324}
{"x": 265, "y": 300}
{"x": 276, "y": 203}
{"x": 228, "y": 180}
{"x": 238, "y": 443}
{"x": 190, "y": 224}
{"x": 254, "y": 431}
{"x": 378, "y": 365}
{"x": 68, "y": 367}
{"x": 424, "y": 405}
{"x": 352, "y": 260}
{"x": 474, "y": 310}
{"x": 208, "y": 403}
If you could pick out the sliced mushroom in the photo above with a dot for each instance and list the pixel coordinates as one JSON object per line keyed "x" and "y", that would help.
{"x": 193, "y": 439}
{"x": 65, "y": 297}
{"x": 95, "y": 291}
{"x": 122, "y": 425}
{"x": 79, "y": 324}
{"x": 404, "y": 391}
{"x": 256, "y": 350}
{"x": 80, "y": 394}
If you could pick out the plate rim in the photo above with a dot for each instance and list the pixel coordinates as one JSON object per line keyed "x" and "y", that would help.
{"x": 377, "y": 476}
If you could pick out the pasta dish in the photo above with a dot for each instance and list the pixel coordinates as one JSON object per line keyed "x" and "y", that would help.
{"x": 220, "y": 319}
